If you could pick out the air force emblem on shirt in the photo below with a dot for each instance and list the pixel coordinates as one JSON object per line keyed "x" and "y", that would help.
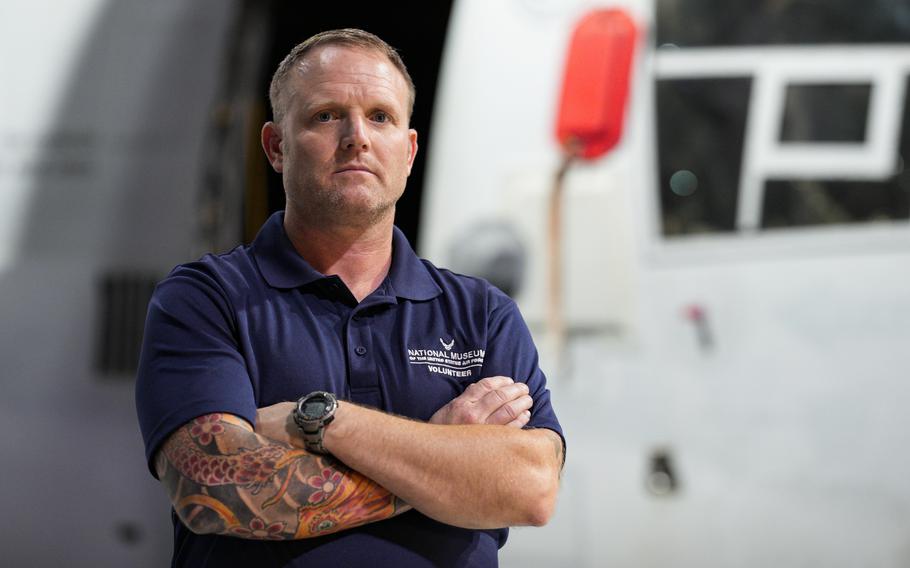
{"x": 447, "y": 359}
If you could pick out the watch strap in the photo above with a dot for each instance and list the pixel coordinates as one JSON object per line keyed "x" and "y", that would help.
{"x": 313, "y": 435}
{"x": 311, "y": 429}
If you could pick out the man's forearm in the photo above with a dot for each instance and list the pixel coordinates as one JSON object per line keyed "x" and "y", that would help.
{"x": 474, "y": 476}
{"x": 224, "y": 478}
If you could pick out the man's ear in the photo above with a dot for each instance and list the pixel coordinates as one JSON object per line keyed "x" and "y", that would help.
{"x": 412, "y": 148}
{"x": 271, "y": 144}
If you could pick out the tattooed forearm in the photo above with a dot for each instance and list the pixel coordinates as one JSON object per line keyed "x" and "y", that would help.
{"x": 224, "y": 478}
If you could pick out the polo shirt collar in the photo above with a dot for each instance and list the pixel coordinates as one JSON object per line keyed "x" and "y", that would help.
{"x": 279, "y": 262}
{"x": 408, "y": 276}
{"x": 282, "y": 267}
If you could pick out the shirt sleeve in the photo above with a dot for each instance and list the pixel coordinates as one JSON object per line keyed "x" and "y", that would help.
{"x": 190, "y": 363}
{"x": 511, "y": 352}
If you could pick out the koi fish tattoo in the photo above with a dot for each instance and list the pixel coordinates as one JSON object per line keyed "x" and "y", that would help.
{"x": 224, "y": 478}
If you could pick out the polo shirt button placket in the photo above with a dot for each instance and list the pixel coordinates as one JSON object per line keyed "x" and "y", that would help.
{"x": 364, "y": 377}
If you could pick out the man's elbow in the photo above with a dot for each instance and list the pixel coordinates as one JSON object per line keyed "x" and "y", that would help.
{"x": 542, "y": 499}
{"x": 198, "y": 524}
{"x": 540, "y": 514}
{"x": 205, "y": 524}
{"x": 542, "y": 486}
{"x": 199, "y": 520}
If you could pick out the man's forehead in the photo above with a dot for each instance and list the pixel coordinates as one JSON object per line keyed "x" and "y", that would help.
{"x": 343, "y": 59}
{"x": 329, "y": 70}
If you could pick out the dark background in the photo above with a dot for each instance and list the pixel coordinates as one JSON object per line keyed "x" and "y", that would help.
{"x": 415, "y": 28}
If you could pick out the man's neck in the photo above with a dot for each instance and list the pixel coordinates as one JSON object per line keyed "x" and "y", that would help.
{"x": 361, "y": 257}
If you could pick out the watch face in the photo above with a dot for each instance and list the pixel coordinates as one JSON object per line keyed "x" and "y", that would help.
{"x": 314, "y": 409}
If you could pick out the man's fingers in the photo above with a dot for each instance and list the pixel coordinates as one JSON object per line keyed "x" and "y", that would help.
{"x": 482, "y": 399}
{"x": 481, "y": 388}
{"x": 493, "y": 401}
{"x": 521, "y": 421}
{"x": 495, "y": 382}
{"x": 511, "y": 411}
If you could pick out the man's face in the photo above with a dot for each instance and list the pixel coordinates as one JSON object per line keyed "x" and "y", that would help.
{"x": 344, "y": 148}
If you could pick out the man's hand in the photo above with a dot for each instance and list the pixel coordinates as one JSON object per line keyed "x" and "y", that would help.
{"x": 440, "y": 470}
{"x": 493, "y": 400}
{"x": 277, "y": 423}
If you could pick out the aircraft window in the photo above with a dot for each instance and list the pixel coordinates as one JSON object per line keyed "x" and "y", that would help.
{"x": 700, "y": 130}
{"x": 826, "y": 201}
{"x": 689, "y": 23}
{"x": 825, "y": 113}
{"x": 796, "y": 203}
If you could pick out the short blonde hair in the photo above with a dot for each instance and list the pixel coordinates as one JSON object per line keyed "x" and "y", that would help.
{"x": 350, "y": 37}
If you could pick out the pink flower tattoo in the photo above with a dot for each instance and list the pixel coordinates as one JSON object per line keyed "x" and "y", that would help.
{"x": 259, "y": 530}
{"x": 205, "y": 427}
{"x": 324, "y": 484}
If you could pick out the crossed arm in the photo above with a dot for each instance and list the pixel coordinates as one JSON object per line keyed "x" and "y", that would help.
{"x": 470, "y": 466}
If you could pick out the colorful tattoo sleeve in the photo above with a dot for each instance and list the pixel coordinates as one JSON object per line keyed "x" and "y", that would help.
{"x": 224, "y": 478}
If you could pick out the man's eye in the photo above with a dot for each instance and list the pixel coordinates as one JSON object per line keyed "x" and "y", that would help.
{"x": 323, "y": 116}
{"x": 381, "y": 117}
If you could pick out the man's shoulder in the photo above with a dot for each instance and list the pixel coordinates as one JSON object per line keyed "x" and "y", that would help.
{"x": 466, "y": 286}
{"x": 229, "y": 272}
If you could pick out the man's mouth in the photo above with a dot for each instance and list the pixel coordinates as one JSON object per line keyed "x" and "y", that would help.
{"x": 347, "y": 169}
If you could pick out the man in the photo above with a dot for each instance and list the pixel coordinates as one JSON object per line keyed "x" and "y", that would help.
{"x": 330, "y": 301}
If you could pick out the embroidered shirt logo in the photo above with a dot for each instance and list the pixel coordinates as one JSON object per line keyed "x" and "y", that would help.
{"x": 447, "y": 362}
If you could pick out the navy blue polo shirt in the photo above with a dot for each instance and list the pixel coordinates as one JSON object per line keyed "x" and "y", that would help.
{"x": 256, "y": 326}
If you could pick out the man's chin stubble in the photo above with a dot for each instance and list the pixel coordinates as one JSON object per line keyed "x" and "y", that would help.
{"x": 340, "y": 214}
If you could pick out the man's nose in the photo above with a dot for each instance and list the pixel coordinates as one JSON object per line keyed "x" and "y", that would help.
{"x": 355, "y": 134}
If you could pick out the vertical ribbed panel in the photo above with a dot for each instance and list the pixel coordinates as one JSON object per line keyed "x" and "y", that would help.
{"x": 123, "y": 301}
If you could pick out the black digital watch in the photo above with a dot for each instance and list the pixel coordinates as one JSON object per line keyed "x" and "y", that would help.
{"x": 312, "y": 414}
